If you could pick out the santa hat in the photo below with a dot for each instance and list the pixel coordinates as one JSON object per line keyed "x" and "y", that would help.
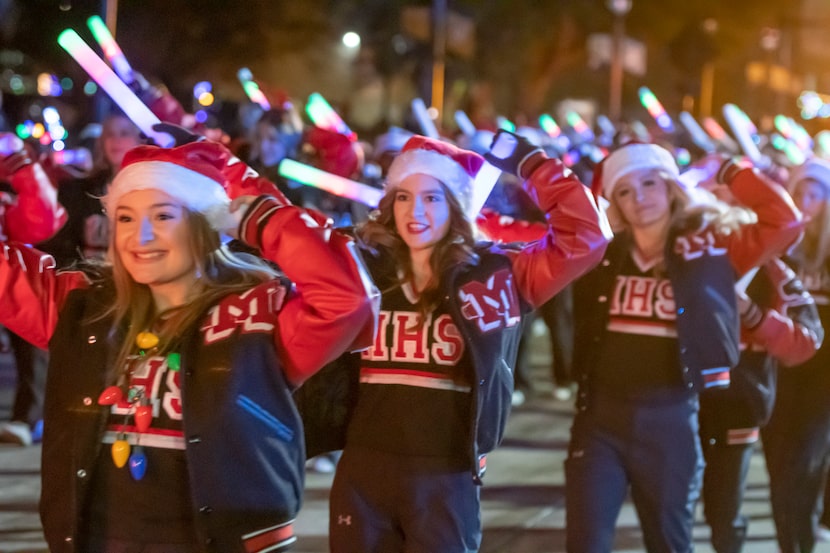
{"x": 815, "y": 169}
{"x": 627, "y": 159}
{"x": 191, "y": 174}
{"x": 454, "y": 167}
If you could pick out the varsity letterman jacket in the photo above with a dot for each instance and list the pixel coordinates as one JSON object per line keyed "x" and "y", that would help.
{"x": 243, "y": 436}
{"x": 487, "y": 299}
{"x": 702, "y": 268}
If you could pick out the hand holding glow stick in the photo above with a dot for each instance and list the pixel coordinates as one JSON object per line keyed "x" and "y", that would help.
{"x": 110, "y": 48}
{"x": 489, "y": 174}
{"x": 112, "y": 85}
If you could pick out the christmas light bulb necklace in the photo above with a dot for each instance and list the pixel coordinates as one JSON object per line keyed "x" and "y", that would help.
{"x": 140, "y": 409}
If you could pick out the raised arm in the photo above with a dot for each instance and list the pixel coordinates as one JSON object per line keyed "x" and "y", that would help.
{"x": 35, "y": 214}
{"x": 32, "y": 292}
{"x": 577, "y": 231}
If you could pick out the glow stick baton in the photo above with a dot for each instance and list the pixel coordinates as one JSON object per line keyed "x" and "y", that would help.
{"x": 323, "y": 115}
{"x": 742, "y": 127}
{"x": 640, "y": 130}
{"x": 605, "y": 124}
{"x": 112, "y": 85}
{"x": 251, "y": 89}
{"x": 335, "y": 184}
{"x": 549, "y": 125}
{"x": 110, "y": 48}
{"x": 823, "y": 142}
{"x": 505, "y": 124}
{"x": 464, "y": 124}
{"x": 697, "y": 133}
{"x": 419, "y": 109}
{"x": 794, "y": 154}
{"x": 716, "y": 131}
{"x": 579, "y": 125}
{"x": 655, "y": 109}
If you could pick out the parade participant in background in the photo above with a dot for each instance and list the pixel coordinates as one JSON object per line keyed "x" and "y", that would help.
{"x": 30, "y": 214}
{"x": 86, "y": 233}
{"x": 277, "y": 135}
{"x": 779, "y": 326}
{"x": 656, "y": 323}
{"x": 435, "y": 388}
{"x": 169, "y": 422}
{"x": 797, "y": 437}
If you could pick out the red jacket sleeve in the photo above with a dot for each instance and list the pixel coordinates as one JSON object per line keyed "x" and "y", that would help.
{"x": 779, "y": 223}
{"x": 35, "y": 215}
{"x": 32, "y": 292}
{"x": 574, "y": 241}
{"x": 333, "y": 305}
{"x": 505, "y": 229}
{"x": 791, "y": 331}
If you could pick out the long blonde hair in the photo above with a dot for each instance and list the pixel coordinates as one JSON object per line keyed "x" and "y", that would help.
{"x": 454, "y": 248}
{"x": 688, "y": 214}
{"x": 221, "y": 272}
{"x": 813, "y": 253}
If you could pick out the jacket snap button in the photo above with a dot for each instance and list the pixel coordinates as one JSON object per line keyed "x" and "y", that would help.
{"x": 87, "y": 401}
{"x": 81, "y": 473}
{"x": 195, "y": 440}
{"x": 602, "y": 299}
{"x": 205, "y": 510}
{"x": 91, "y": 340}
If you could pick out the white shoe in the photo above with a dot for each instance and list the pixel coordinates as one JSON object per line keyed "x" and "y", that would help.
{"x": 15, "y": 432}
{"x": 563, "y": 393}
{"x": 518, "y": 398}
{"x": 322, "y": 464}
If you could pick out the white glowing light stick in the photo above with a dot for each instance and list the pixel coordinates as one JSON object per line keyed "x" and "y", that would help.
{"x": 424, "y": 120}
{"x": 464, "y": 124}
{"x": 112, "y": 85}
{"x": 743, "y": 129}
{"x": 323, "y": 115}
{"x": 252, "y": 89}
{"x": 488, "y": 175}
{"x": 110, "y": 48}
{"x": 335, "y": 184}
{"x": 697, "y": 133}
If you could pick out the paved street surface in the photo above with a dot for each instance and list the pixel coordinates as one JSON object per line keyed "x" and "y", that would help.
{"x": 522, "y": 499}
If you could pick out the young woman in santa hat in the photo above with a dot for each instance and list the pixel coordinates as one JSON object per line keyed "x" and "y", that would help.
{"x": 797, "y": 438}
{"x": 169, "y": 423}
{"x": 435, "y": 388}
{"x": 655, "y": 324}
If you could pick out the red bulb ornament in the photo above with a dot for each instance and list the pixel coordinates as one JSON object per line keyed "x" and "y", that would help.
{"x": 110, "y": 396}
